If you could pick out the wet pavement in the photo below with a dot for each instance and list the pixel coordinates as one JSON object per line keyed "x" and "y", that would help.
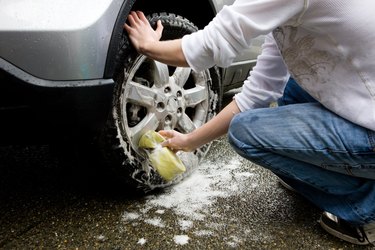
{"x": 227, "y": 203}
{"x": 49, "y": 202}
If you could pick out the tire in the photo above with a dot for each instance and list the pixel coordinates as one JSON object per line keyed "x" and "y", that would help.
{"x": 152, "y": 96}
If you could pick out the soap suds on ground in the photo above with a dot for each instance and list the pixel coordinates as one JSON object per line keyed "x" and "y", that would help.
{"x": 194, "y": 198}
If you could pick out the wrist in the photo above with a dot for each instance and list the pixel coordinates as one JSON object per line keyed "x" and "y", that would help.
{"x": 143, "y": 49}
{"x": 149, "y": 49}
{"x": 192, "y": 140}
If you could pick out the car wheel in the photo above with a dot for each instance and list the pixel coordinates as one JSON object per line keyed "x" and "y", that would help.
{"x": 150, "y": 95}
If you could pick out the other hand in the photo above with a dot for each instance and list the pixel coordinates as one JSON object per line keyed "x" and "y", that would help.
{"x": 140, "y": 31}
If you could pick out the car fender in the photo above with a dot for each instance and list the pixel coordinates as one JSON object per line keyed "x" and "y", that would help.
{"x": 58, "y": 40}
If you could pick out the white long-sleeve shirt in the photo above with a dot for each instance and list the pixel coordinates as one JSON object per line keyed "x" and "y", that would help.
{"x": 327, "y": 46}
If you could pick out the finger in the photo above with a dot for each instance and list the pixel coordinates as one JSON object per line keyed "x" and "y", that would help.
{"x": 166, "y": 133}
{"x": 175, "y": 150}
{"x": 159, "y": 28}
{"x": 142, "y": 17}
{"x": 166, "y": 143}
{"x": 127, "y": 27}
{"x": 131, "y": 20}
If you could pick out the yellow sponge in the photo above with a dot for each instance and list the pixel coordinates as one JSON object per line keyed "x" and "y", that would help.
{"x": 165, "y": 161}
{"x": 150, "y": 140}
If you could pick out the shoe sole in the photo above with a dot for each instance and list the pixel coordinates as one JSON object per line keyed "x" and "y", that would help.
{"x": 340, "y": 235}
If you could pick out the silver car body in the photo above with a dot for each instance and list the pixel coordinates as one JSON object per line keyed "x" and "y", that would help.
{"x": 58, "y": 41}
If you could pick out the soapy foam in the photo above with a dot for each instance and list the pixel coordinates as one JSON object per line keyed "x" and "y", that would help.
{"x": 193, "y": 199}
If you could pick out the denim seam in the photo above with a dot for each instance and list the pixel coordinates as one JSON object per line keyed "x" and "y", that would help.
{"x": 371, "y": 137}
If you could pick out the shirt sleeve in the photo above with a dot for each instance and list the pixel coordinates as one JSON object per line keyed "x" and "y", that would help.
{"x": 267, "y": 80}
{"x": 231, "y": 31}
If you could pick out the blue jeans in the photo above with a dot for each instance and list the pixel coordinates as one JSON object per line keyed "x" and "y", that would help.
{"x": 327, "y": 159}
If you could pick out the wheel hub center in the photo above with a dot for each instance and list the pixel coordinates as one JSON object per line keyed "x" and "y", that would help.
{"x": 172, "y": 105}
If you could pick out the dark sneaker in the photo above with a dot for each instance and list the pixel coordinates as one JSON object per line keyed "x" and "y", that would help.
{"x": 364, "y": 235}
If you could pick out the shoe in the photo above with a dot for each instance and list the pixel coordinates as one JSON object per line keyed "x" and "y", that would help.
{"x": 286, "y": 185}
{"x": 359, "y": 235}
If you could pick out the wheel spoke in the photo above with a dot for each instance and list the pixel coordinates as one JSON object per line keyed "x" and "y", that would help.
{"x": 185, "y": 124}
{"x": 195, "y": 96}
{"x": 181, "y": 75}
{"x": 150, "y": 122}
{"x": 200, "y": 116}
{"x": 160, "y": 74}
{"x": 139, "y": 94}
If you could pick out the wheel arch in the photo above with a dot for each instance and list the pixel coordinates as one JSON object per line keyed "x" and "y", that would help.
{"x": 200, "y": 17}
{"x": 115, "y": 42}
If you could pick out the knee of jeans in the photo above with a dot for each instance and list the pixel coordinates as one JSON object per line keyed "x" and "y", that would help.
{"x": 235, "y": 133}
{"x": 242, "y": 138}
{"x": 237, "y": 142}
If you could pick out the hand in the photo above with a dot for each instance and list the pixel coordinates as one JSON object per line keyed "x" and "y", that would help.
{"x": 140, "y": 31}
{"x": 176, "y": 141}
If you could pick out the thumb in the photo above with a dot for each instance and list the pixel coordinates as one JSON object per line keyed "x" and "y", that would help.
{"x": 159, "y": 28}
